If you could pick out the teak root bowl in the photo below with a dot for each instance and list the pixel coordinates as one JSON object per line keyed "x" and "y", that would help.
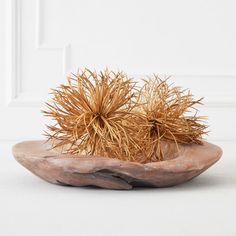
{"x": 65, "y": 169}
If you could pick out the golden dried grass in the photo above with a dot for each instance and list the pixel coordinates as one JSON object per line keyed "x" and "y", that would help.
{"x": 164, "y": 108}
{"x": 93, "y": 115}
{"x": 106, "y": 115}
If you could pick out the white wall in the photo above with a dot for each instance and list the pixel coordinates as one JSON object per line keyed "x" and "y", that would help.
{"x": 43, "y": 40}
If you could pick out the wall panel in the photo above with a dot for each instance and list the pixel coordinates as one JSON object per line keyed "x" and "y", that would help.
{"x": 42, "y": 41}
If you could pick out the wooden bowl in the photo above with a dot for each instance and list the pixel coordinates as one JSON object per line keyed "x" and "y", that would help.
{"x": 64, "y": 169}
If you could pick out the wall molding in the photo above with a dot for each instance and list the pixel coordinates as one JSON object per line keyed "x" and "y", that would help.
{"x": 40, "y": 45}
{"x": 13, "y": 78}
{"x": 15, "y": 97}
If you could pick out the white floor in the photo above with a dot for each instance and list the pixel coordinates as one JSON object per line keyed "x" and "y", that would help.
{"x": 32, "y": 207}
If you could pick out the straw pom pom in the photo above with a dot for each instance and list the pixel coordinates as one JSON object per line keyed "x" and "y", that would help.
{"x": 165, "y": 110}
{"x": 94, "y": 115}
{"x": 105, "y": 114}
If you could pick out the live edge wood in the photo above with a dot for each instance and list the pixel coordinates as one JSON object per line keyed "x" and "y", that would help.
{"x": 64, "y": 169}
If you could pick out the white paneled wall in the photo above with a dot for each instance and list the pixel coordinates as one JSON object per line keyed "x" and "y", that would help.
{"x": 43, "y": 40}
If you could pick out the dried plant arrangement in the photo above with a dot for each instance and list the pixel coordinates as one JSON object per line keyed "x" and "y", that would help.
{"x": 94, "y": 115}
{"x": 105, "y": 114}
{"x": 169, "y": 116}
{"x": 111, "y": 133}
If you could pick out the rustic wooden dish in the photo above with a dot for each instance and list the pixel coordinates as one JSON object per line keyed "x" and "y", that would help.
{"x": 64, "y": 169}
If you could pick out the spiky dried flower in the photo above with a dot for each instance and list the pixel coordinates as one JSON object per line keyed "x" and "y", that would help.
{"x": 104, "y": 114}
{"x": 164, "y": 108}
{"x": 94, "y": 115}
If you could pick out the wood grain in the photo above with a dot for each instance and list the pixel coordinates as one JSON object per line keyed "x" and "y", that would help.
{"x": 64, "y": 169}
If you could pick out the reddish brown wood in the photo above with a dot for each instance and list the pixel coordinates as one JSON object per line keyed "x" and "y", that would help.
{"x": 103, "y": 172}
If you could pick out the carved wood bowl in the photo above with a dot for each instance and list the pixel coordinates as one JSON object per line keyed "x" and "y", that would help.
{"x": 64, "y": 169}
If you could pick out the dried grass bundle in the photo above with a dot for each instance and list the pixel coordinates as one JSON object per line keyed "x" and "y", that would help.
{"x": 94, "y": 115}
{"x": 104, "y": 114}
{"x": 164, "y": 108}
